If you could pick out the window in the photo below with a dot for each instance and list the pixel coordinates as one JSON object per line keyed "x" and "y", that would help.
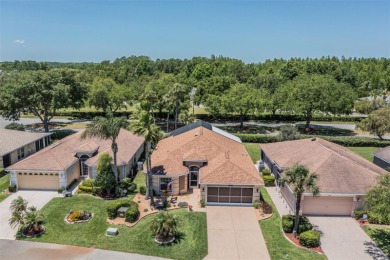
{"x": 21, "y": 153}
{"x": 164, "y": 184}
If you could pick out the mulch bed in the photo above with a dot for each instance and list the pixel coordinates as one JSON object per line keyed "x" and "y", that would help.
{"x": 32, "y": 233}
{"x": 296, "y": 242}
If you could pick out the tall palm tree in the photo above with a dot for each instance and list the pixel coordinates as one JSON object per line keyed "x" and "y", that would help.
{"x": 142, "y": 124}
{"x": 107, "y": 128}
{"x": 300, "y": 180}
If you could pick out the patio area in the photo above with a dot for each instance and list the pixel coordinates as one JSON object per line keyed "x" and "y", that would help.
{"x": 145, "y": 209}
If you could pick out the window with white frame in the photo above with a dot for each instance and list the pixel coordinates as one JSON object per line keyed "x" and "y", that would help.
{"x": 21, "y": 153}
{"x": 164, "y": 184}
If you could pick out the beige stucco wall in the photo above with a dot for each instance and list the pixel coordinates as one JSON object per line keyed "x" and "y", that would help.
{"x": 73, "y": 172}
{"x": 156, "y": 185}
{"x": 29, "y": 149}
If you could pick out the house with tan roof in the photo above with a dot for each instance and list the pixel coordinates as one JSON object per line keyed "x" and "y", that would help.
{"x": 17, "y": 145}
{"x": 200, "y": 156}
{"x": 71, "y": 158}
{"x": 344, "y": 177}
{"x": 382, "y": 158}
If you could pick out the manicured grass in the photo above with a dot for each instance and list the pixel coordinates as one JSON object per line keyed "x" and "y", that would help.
{"x": 381, "y": 237}
{"x": 4, "y": 183}
{"x": 254, "y": 151}
{"x": 277, "y": 244}
{"x": 192, "y": 242}
{"x": 365, "y": 152}
{"x": 140, "y": 180}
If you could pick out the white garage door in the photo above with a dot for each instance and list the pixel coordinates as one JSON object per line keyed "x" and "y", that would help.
{"x": 229, "y": 195}
{"x": 38, "y": 181}
{"x": 336, "y": 206}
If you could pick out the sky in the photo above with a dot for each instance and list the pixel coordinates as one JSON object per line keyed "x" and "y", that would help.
{"x": 253, "y": 30}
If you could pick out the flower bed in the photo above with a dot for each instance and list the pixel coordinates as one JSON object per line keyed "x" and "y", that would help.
{"x": 78, "y": 216}
{"x": 30, "y": 232}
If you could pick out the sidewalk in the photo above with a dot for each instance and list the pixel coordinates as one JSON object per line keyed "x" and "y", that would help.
{"x": 280, "y": 204}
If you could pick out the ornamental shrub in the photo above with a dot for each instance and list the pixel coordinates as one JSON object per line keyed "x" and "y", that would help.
{"x": 76, "y": 215}
{"x": 269, "y": 181}
{"x": 142, "y": 190}
{"x": 202, "y": 203}
{"x": 15, "y": 126}
{"x": 359, "y": 213}
{"x": 132, "y": 213}
{"x": 289, "y": 220}
{"x": 287, "y": 224}
{"x": 256, "y": 204}
{"x": 113, "y": 207}
{"x": 88, "y": 183}
{"x": 266, "y": 172}
{"x": 310, "y": 238}
{"x": 132, "y": 187}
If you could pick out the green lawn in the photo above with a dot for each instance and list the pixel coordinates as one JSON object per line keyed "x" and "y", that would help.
{"x": 381, "y": 237}
{"x": 254, "y": 151}
{"x": 140, "y": 180}
{"x": 4, "y": 183}
{"x": 365, "y": 152}
{"x": 277, "y": 244}
{"x": 192, "y": 242}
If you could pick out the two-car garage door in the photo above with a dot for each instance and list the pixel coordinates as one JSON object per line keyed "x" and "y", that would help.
{"x": 341, "y": 206}
{"x": 38, "y": 181}
{"x": 229, "y": 195}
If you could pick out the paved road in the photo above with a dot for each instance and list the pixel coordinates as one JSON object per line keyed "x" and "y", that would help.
{"x": 234, "y": 233}
{"x": 33, "y": 197}
{"x": 11, "y": 249}
{"x": 29, "y": 121}
{"x": 342, "y": 238}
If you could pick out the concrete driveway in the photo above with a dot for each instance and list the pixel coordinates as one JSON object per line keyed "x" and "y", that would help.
{"x": 234, "y": 233}
{"x": 342, "y": 238}
{"x": 34, "y": 197}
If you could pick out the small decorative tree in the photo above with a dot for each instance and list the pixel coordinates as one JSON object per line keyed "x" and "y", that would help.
{"x": 106, "y": 177}
{"x": 300, "y": 180}
{"x": 288, "y": 132}
{"x": 164, "y": 227}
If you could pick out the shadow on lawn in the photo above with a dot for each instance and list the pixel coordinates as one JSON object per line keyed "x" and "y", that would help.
{"x": 382, "y": 240}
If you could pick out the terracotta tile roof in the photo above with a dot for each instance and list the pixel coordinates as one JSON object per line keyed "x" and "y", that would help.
{"x": 339, "y": 169}
{"x": 10, "y": 140}
{"x": 62, "y": 154}
{"x": 227, "y": 159}
{"x": 383, "y": 153}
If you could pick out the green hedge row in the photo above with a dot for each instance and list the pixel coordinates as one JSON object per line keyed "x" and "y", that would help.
{"x": 289, "y": 220}
{"x": 342, "y": 140}
{"x": 132, "y": 213}
{"x": 269, "y": 180}
{"x": 373, "y": 218}
{"x": 116, "y": 204}
{"x": 88, "y": 189}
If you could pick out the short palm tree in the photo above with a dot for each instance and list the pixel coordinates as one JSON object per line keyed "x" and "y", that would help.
{"x": 18, "y": 205}
{"x": 32, "y": 219}
{"x": 23, "y": 217}
{"x": 300, "y": 180}
{"x": 107, "y": 128}
{"x": 143, "y": 124}
{"x": 164, "y": 225}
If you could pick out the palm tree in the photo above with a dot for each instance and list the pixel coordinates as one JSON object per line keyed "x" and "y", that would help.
{"x": 300, "y": 180}
{"x": 107, "y": 128}
{"x": 142, "y": 124}
{"x": 164, "y": 225}
{"x": 32, "y": 219}
{"x": 18, "y": 205}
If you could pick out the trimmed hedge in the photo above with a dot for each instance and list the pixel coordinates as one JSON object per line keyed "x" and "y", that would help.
{"x": 113, "y": 207}
{"x": 269, "y": 180}
{"x": 310, "y": 238}
{"x": 59, "y": 134}
{"x": 341, "y": 140}
{"x": 289, "y": 220}
{"x": 266, "y": 172}
{"x": 88, "y": 183}
{"x": 132, "y": 213}
{"x": 12, "y": 188}
{"x": 372, "y": 217}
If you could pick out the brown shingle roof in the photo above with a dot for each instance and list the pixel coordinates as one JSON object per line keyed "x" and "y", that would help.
{"x": 10, "y": 140}
{"x": 62, "y": 154}
{"x": 384, "y": 154}
{"x": 339, "y": 169}
{"x": 227, "y": 159}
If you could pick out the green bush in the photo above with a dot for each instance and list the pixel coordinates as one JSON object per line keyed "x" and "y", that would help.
{"x": 15, "y": 126}
{"x": 182, "y": 204}
{"x": 269, "y": 181}
{"x": 113, "y": 207}
{"x": 59, "y": 134}
{"x": 376, "y": 218}
{"x": 256, "y": 138}
{"x": 132, "y": 187}
{"x": 85, "y": 188}
{"x": 125, "y": 183}
{"x": 60, "y": 190}
{"x": 88, "y": 183}
{"x": 359, "y": 213}
{"x": 202, "y": 203}
{"x": 142, "y": 190}
{"x": 12, "y": 188}
{"x": 266, "y": 172}
{"x": 132, "y": 213}
{"x": 310, "y": 238}
{"x": 2, "y": 172}
{"x": 288, "y": 222}
{"x": 256, "y": 204}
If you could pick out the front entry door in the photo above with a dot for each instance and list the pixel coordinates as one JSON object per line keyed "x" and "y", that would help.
{"x": 194, "y": 176}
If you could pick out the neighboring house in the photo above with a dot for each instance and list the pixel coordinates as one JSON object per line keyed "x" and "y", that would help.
{"x": 202, "y": 156}
{"x": 59, "y": 164}
{"x": 344, "y": 177}
{"x": 17, "y": 145}
{"x": 382, "y": 158}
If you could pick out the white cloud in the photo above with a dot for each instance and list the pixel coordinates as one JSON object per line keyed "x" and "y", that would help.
{"x": 19, "y": 41}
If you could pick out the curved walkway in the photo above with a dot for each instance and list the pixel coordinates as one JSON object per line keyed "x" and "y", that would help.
{"x": 234, "y": 233}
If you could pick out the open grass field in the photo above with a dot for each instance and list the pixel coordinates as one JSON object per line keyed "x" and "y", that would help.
{"x": 192, "y": 241}
{"x": 278, "y": 246}
{"x": 381, "y": 237}
{"x": 4, "y": 183}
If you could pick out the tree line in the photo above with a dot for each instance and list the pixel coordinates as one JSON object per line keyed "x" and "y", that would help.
{"x": 328, "y": 85}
